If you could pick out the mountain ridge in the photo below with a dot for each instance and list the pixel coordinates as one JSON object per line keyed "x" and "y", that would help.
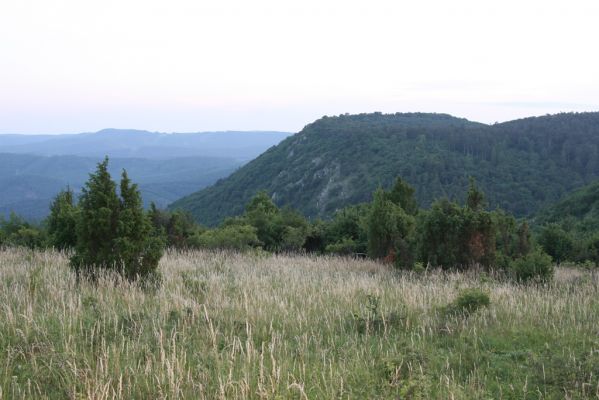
{"x": 33, "y": 169}
{"x": 336, "y": 161}
{"x": 241, "y": 145}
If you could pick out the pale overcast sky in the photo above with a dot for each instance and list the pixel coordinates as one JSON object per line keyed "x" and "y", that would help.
{"x": 77, "y": 66}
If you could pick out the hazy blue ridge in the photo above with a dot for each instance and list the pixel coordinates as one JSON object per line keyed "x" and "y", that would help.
{"x": 34, "y": 168}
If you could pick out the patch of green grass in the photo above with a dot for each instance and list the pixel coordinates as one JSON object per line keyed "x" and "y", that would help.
{"x": 226, "y": 325}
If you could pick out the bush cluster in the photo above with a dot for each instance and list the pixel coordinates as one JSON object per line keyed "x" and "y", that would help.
{"x": 111, "y": 231}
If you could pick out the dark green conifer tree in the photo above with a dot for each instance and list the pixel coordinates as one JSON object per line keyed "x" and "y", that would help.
{"x": 476, "y": 198}
{"x": 97, "y": 226}
{"x": 402, "y": 194}
{"x": 62, "y": 221}
{"x": 138, "y": 248}
{"x": 114, "y": 233}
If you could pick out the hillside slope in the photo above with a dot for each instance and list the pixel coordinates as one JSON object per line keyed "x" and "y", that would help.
{"x": 522, "y": 165}
{"x": 578, "y": 210}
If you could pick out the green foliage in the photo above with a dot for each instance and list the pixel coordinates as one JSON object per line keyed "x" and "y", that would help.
{"x": 315, "y": 241}
{"x": 475, "y": 199}
{"x": 535, "y": 266}
{"x": 138, "y": 249}
{"x": 402, "y": 194}
{"x": 524, "y": 244}
{"x": 556, "y": 242}
{"x": 98, "y": 223}
{"x": 468, "y": 302}
{"x": 15, "y": 231}
{"x": 345, "y": 246}
{"x": 232, "y": 237}
{"x": 578, "y": 211}
{"x": 177, "y": 227}
{"x": 592, "y": 247}
{"x": 337, "y": 161}
{"x": 349, "y": 224}
{"x": 453, "y": 236}
{"x": 276, "y": 229}
{"x": 567, "y": 230}
{"x": 62, "y": 221}
{"x": 114, "y": 233}
{"x": 381, "y": 226}
{"x": 389, "y": 229}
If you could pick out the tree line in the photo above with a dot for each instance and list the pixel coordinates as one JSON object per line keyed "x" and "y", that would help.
{"x": 107, "y": 228}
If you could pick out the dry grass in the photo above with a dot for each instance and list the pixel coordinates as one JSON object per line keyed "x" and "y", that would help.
{"x": 256, "y": 326}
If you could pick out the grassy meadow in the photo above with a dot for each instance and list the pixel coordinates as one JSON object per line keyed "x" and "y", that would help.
{"x": 235, "y": 326}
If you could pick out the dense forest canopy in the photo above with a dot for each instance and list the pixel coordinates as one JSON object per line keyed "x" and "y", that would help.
{"x": 577, "y": 211}
{"x": 521, "y": 165}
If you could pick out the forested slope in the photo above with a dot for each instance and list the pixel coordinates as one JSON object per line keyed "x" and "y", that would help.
{"x": 577, "y": 211}
{"x": 521, "y": 165}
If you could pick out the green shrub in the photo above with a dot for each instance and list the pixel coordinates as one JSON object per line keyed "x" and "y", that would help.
{"x": 233, "y": 237}
{"x": 345, "y": 246}
{"x": 536, "y": 266}
{"x": 468, "y": 302}
{"x": 556, "y": 242}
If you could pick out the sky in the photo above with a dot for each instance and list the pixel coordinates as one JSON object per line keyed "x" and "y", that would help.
{"x": 70, "y": 66}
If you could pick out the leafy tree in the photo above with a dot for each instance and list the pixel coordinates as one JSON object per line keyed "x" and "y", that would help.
{"x": 261, "y": 203}
{"x": 524, "y": 239}
{"x": 28, "y": 236}
{"x": 556, "y": 242}
{"x": 260, "y": 213}
{"x": 505, "y": 225}
{"x": 440, "y": 234}
{"x": 350, "y": 224}
{"x": 232, "y": 237}
{"x": 17, "y": 232}
{"x": 344, "y": 246}
{"x": 388, "y": 230}
{"x": 291, "y": 229}
{"x": 453, "y": 236}
{"x": 13, "y": 224}
{"x": 177, "y": 228}
{"x": 277, "y": 230}
{"x": 316, "y": 237}
{"x": 535, "y": 266}
{"x": 592, "y": 245}
{"x": 62, "y": 221}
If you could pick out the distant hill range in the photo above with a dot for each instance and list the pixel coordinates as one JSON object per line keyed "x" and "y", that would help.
{"x": 34, "y": 168}
{"x": 125, "y": 143}
{"x": 522, "y": 165}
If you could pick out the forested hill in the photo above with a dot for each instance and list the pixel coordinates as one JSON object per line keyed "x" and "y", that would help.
{"x": 522, "y": 165}
{"x": 576, "y": 212}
